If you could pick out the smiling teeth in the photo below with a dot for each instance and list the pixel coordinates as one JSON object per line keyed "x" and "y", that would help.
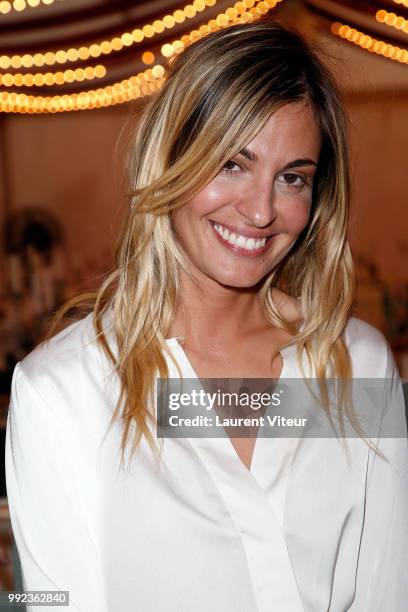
{"x": 245, "y": 243}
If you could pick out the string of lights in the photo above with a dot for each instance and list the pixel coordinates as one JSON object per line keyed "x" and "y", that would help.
{"x": 20, "y": 5}
{"x": 106, "y": 47}
{"x": 142, "y": 84}
{"x": 392, "y": 20}
{"x": 373, "y": 45}
{"x": 39, "y": 79}
{"x": 402, "y": 2}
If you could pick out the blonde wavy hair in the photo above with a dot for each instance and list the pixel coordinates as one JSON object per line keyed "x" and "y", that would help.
{"x": 216, "y": 96}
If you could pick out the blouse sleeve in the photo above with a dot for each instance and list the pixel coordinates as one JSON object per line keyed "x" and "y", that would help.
{"x": 382, "y": 574}
{"x": 55, "y": 548}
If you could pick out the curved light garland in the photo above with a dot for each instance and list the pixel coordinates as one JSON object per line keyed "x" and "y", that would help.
{"x": 142, "y": 84}
{"x": 20, "y": 5}
{"x": 106, "y": 47}
{"x": 392, "y": 20}
{"x": 40, "y": 79}
{"x": 403, "y": 2}
{"x": 369, "y": 43}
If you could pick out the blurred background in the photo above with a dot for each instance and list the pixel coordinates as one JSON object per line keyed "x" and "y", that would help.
{"x": 72, "y": 75}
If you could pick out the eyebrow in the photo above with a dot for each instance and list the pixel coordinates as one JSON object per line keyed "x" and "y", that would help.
{"x": 293, "y": 164}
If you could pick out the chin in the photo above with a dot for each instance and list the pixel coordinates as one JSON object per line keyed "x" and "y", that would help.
{"x": 238, "y": 281}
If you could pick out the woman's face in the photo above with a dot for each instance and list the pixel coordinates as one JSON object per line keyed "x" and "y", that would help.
{"x": 241, "y": 225}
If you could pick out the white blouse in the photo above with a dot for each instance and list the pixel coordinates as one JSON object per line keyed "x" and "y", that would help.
{"x": 303, "y": 530}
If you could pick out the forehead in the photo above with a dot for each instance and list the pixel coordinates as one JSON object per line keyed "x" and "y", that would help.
{"x": 292, "y": 128}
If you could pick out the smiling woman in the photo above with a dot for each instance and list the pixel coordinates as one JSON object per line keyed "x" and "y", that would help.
{"x": 232, "y": 263}
{"x": 255, "y": 210}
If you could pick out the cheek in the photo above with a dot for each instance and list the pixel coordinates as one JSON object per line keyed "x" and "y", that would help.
{"x": 296, "y": 215}
{"x": 205, "y": 202}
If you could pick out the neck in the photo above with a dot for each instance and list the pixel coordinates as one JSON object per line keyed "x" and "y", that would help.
{"x": 216, "y": 312}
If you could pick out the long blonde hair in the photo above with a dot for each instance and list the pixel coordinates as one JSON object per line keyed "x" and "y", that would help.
{"x": 216, "y": 96}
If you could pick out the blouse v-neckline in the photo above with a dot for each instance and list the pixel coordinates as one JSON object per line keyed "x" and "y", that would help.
{"x": 257, "y": 508}
{"x": 288, "y": 355}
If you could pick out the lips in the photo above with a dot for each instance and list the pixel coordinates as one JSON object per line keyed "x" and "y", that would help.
{"x": 241, "y": 250}
{"x": 247, "y": 233}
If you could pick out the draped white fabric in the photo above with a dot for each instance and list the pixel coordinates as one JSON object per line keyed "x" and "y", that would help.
{"x": 303, "y": 530}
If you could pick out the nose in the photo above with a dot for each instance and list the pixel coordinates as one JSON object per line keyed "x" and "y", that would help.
{"x": 259, "y": 206}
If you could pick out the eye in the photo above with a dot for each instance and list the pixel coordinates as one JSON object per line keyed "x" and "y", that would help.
{"x": 292, "y": 180}
{"x": 228, "y": 169}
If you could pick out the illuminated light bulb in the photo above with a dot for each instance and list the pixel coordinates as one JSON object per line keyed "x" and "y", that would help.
{"x": 49, "y": 58}
{"x": 38, "y": 60}
{"x": 7, "y": 80}
{"x": 148, "y": 31}
{"x": 167, "y": 50}
{"x": 89, "y": 72}
{"x": 49, "y": 78}
{"x": 39, "y": 80}
{"x": 148, "y": 57}
{"x": 94, "y": 50}
{"x": 19, "y": 5}
{"x": 59, "y": 78}
{"x": 83, "y": 53}
{"x": 69, "y": 76}
{"x": 400, "y": 22}
{"x": 199, "y": 5}
{"x": 179, "y": 16}
{"x": 127, "y": 39}
{"x": 204, "y": 29}
{"x": 80, "y": 74}
{"x": 18, "y": 80}
{"x": 21, "y": 100}
{"x": 27, "y": 61}
{"x": 15, "y": 61}
{"x": 158, "y": 71}
{"x": 100, "y": 71}
{"x": 231, "y": 13}
{"x": 158, "y": 26}
{"x": 380, "y": 16}
{"x": 393, "y": 19}
{"x": 137, "y": 35}
{"x": 222, "y": 20}
{"x": 106, "y": 47}
{"x": 60, "y": 57}
{"x": 5, "y": 7}
{"x": 72, "y": 55}
{"x": 189, "y": 11}
{"x": 28, "y": 80}
{"x": 262, "y": 8}
{"x": 33, "y": 3}
{"x": 168, "y": 21}
{"x": 117, "y": 44}
{"x": 335, "y": 27}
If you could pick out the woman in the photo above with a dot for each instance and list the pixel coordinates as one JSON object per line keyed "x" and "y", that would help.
{"x": 232, "y": 263}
